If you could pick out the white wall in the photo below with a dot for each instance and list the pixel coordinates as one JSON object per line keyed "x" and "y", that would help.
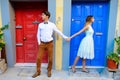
{"x": 118, "y": 21}
{"x": 117, "y": 32}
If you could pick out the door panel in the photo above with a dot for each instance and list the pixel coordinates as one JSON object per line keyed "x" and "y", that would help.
{"x": 26, "y": 35}
{"x": 79, "y": 13}
{"x": 30, "y": 42}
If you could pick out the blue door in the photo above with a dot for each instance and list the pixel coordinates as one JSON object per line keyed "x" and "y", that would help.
{"x": 79, "y": 13}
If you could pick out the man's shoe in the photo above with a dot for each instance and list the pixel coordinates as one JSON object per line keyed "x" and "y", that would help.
{"x": 49, "y": 73}
{"x": 36, "y": 74}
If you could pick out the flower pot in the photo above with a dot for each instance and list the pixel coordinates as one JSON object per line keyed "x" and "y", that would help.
{"x": 111, "y": 64}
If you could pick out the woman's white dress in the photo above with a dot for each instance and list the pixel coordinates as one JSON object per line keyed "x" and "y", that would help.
{"x": 86, "y": 48}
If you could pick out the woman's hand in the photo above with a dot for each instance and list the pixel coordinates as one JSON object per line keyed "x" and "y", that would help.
{"x": 68, "y": 39}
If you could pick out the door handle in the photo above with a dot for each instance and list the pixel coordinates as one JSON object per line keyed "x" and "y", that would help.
{"x": 19, "y": 44}
{"x": 72, "y": 19}
{"x": 35, "y": 22}
{"x": 99, "y": 33}
{"x": 24, "y": 38}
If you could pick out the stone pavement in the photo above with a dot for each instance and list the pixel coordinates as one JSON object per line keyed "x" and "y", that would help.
{"x": 25, "y": 73}
{"x": 117, "y": 76}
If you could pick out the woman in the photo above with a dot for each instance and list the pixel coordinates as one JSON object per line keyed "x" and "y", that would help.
{"x": 86, "y": 48}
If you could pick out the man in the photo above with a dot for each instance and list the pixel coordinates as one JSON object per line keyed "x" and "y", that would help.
{"x": 45, "y": 41}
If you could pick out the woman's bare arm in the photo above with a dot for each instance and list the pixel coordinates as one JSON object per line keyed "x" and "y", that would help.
{"x": 82, "y": 30}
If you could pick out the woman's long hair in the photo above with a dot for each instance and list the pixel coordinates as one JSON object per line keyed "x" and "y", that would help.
{"x": 89, "y": 18}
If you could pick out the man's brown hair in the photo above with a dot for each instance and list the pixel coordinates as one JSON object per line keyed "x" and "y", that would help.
{"x": 47, "y": 13}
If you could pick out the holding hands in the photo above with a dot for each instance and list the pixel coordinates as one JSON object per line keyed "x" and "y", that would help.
{"x": 68, "y": 39}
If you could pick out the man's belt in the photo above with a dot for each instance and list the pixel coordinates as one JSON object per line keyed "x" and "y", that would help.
{"x": 46, "y": 42}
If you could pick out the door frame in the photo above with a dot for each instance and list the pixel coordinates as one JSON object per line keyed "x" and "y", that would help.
{"x": 74, "y": 19}
{"x": 113, "y": 5}
{"x": 7, "y": 7}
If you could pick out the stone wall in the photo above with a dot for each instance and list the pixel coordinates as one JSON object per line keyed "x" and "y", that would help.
{"x": 3, "y": 66}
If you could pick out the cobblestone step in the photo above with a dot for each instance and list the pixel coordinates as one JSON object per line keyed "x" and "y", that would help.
{"x": 3, "y": 66}
{"x": 117, "y": 76}
{"x": 92, "y": 73}
{"x": 25, "y": 73}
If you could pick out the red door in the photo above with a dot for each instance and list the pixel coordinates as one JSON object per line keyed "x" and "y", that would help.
{"x": 26, "y": 29}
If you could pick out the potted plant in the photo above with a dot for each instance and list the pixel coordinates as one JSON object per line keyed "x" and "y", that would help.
{"x": 117, "y": 40}
{"x": 2, "y": 42}
{"x": 113, "y": 60}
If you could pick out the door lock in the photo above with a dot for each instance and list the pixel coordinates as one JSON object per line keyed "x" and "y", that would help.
{"x": 24, "y": 39}
{"x": 99, "y": 33}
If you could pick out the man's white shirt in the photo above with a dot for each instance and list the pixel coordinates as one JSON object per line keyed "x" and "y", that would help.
{"x": 45, "y": 32}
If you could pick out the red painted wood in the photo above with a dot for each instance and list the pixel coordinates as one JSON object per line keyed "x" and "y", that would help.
{"x": 25, "y": 18}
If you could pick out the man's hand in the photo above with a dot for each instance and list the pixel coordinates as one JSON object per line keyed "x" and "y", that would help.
{"x": 68, "y": 39}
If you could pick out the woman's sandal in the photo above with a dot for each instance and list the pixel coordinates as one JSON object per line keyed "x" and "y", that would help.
{"x": 73, "y": 69}
{"x": 86, "y": 71}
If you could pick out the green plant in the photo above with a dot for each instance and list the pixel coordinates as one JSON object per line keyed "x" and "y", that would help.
{"x": 117, "y": 40}
{"x": 2, "y": 42}
{"x": 113, "y": 56}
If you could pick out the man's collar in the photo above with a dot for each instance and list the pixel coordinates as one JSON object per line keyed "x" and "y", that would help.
{"x": 46, "y": 22}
